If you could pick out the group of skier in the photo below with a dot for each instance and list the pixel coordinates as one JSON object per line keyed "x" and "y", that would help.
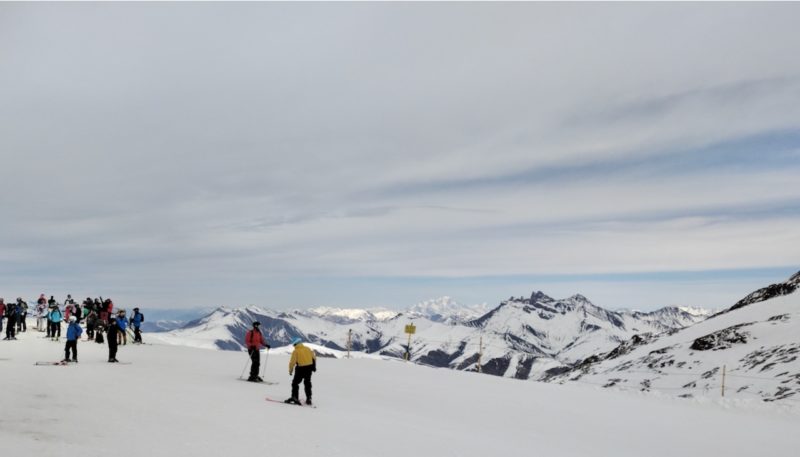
{"x": 302, "y": 363}
{"x": 97, "y": 313}
{"x": 99, "y": 318}
{"x": 15, "y": 315}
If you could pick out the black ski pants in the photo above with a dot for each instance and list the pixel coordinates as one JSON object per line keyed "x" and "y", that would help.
{"x": 137, "y": 334}
{"x": 255, "y": 362}
{"x": 112, "y": 349}
{"x": 302, "y": 374}
{"x": 22, "y": 323}
{"x": 71, "y": 345}
{"x": 55, "y": 329}
{"x": 10, "y": 327}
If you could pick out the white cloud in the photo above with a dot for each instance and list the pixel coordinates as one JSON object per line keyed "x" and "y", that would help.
{"x": 256, "y": 141}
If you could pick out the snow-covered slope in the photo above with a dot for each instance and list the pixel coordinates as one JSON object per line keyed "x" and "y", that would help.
{"x": 521, "y": 338}
{"x": 178, "y": 401}
{"x": 756, "y": 345}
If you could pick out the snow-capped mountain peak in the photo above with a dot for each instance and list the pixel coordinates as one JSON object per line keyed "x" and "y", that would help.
{"x": 344, "y": 315}
{"x": 446, "y": 310}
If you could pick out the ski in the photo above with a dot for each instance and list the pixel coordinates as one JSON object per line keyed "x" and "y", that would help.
{"x": 51, "y": 363}
{"x": 290, "y": 404}
{"x": 269, "y": 383}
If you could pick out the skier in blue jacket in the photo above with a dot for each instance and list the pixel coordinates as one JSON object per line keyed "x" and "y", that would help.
{"x": 74, "y": 332}
{"x": 136, "y": 322}
{"x": 55, "y": 323}
{"x": 122, "y": 322}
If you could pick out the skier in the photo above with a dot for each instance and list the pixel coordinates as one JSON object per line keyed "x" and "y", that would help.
{"x": 41, "y": 311}
{"x": 2, "y": 313}
{"x": 112, "y": 333}
{"x": 122, "y": 323}
{"x": 91, "y": 322}
{"x": 55, "y": 323}
{"x": 136, "y": 322}
{"x": 74, "y": 332}
{"x": 51, "y": 303}
{"x": 303, "y": 362}
{"x": 88, "y": 306}
{"x": 11, "y": 321}
{"x": 22, "y": 318}
{"x": 98, "y": 332}
{"x": 253, "y": 339}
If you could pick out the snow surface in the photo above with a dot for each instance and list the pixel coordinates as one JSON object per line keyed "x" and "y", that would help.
{"x": 176, "y": 401}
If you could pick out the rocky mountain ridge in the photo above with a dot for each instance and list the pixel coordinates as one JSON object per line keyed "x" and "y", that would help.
{"x": 752, "y": 349}
{"x": 525, "y": 338}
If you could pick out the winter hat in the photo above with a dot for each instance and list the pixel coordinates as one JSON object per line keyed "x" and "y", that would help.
{"x": 296, "y": 340}
{"x": 256, "y": 323}
{"x": 73, "y": 319}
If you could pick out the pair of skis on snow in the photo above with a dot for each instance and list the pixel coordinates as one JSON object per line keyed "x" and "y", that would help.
{"x": 272, "y": 400}
{"x": 273, "y": 383}
{"x": 63, "y": 363}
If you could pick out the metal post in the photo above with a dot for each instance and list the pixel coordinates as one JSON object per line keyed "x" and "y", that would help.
{"x": 480, "y": 353}
{"x": 723, "y": 380}
{"x": 410, "y": 330}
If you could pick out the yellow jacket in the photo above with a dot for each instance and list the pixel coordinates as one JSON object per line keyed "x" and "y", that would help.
{"x": 302, "y": 357}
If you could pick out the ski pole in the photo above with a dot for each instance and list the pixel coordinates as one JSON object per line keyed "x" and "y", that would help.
{"x": 241, "y": 376}
{"x": 264, "y": 369}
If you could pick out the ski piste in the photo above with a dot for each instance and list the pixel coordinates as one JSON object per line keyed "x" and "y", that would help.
{"x": 269, "y": 383}
{"x": 289, "y": 404}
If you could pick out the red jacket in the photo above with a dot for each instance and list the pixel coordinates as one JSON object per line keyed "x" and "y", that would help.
{"x": 254, "y": 339}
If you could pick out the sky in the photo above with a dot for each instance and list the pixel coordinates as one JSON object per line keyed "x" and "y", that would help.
{"x": 381, "y": 154}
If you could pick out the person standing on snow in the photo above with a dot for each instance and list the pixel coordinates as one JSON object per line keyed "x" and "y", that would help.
{"x": 122, "y": 323}
{"x": 91, "y": 323}
{"x": 2, "y": 313}
{"x": 303, "y": 362}
{"x": 74, "y": 332}
{"x": 136, "y": 322}
{"x": 112, "y": 333}
{"x": 11, "y": 321}
{"x": 22, "y": 318}
{"x": 55, "y": 323}
{"x": 253, "y": 339}
{"x": 41, "y": 312}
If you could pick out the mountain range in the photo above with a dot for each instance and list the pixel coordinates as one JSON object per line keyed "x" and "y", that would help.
{"x": 531, "y": 337}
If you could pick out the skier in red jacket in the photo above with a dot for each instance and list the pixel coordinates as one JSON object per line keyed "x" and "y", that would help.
{"x": 254, "y": 340}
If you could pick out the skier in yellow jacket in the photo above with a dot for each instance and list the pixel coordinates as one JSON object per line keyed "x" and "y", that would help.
{"x": 302, "y": 363}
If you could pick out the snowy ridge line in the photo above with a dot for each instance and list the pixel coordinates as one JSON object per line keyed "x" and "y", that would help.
{"x": 729, "y": 393}
{"x": 727, "y": 375}
{"x": 619, "y": 387}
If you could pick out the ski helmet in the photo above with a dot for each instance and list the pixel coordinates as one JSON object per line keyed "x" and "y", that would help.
{"x": 296, "y": 340}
